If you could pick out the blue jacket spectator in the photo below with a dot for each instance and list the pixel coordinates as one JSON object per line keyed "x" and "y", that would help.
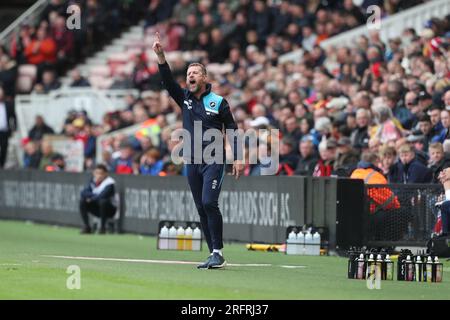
{"x": 408, "y": 169}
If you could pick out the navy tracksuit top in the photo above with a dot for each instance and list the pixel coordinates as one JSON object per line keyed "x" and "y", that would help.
{"x": 212, "y": 110}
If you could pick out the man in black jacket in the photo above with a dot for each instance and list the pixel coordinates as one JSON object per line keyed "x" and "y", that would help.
{"x": 39, "y": 129}
{"x": 7, "y": 125}
{"x": 308, "y": 159}
{"x": 439, "y": 160}
{"x": 408, "y": 169}
{"x": 98, "y": 198}
{"x": 360, "y": 135}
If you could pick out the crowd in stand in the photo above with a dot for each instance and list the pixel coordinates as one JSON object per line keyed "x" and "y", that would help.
{"x": 333, "y": 105}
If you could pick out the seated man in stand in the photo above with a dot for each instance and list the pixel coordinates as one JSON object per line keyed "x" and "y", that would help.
{"x": 98, "y": 198}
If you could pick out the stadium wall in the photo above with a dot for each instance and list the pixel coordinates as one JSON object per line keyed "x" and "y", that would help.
{"x": 256, "y": 209}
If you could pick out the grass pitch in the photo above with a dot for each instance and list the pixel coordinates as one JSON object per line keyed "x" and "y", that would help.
{"x": 28, "y": 272}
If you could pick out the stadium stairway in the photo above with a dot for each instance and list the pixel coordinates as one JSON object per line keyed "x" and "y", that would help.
{"x": 114, "y": 58}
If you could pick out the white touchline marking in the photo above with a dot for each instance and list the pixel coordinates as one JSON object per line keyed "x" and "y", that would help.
{"x": 156, "y": 261}
{"x": 10, "y": 264}
{"x": 293, "y": 267}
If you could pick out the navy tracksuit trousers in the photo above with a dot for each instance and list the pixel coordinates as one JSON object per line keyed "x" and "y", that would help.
{"x": 205, "y": 181}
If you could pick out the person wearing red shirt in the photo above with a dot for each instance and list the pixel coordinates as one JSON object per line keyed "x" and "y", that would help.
{"x": 42, "y": 49}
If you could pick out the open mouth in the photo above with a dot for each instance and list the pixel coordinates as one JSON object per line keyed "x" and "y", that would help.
{"x": 192, "y": 82}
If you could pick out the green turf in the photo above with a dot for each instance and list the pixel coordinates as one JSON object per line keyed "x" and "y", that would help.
{"x": 26, "y": 274}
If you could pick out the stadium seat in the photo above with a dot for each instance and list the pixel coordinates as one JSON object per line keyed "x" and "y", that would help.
{"x": 100, "y": 70}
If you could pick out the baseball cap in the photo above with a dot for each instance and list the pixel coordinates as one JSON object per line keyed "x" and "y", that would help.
{"x": 423, "y": 95}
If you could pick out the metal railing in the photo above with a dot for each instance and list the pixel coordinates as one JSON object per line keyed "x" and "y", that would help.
{"x": 55, "y": 106}
{"x": 29, "y": 16}
{"x": 394, "y": 25}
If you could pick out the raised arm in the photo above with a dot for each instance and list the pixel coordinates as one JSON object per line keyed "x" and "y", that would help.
{"x": 175, "y": 91}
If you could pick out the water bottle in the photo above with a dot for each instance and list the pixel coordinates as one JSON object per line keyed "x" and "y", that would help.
{"x": 379, "y": 267}
{"x": 389, "y": 268}
{"x": 370, "y": 271}
{"x": 291, "y": 243}
{"x": 308, "y": 243}
{"x": 196, "y": 239}
{"x": 301, "y": 243}
{"x": 438, "y": 270}
{"x": 180, "y": 238}
{"x": 188, "y": 239}
{"x": 360, "y": 270}
{"x": 429, "y": 270}
{"x": 172, "y": 238}
{"x": 163, "y": 243}
{"x": 316, "y": 244}
{"x": 419, "y": 269}
{"x": 409, "y": 269}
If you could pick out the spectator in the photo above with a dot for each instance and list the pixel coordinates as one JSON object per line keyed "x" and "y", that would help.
{"x": 157, "y": 11}
{"x": 259, "y": 18}
{"x": 408, "y": 169}
{"x": 281, "y": 17}
{"x": 183, "y": 10}
{"x": 360, "y": 135}
{"x": 42, "y": 50}
{"x": 7, "y": 126}
{"x": 8, "y": 75}
{"x": 124, "y": 163}
{"x": 436, "y": 126}
{"x": 170, "y": 169}
{"x": 31, "y": 156}
{"x": 98, "y": 198}
{"x": 78, "y": 81}
{"x": 325, "y": 164}
{"x": 388, "y": 128}
{"x": 57, "y": 163}
{"x": 151, "y": 163}
{"x": 425, "y": 128}
{"x": 291, "y": 129}
{"x": 49, "y": 81}
{"x": 388, "y": 157}
{"x": 39, "y": 129}
{"x": 394, "y": 100}
{"x": 418, "y": 143}
{"x": 308, "y": 158}
{"x": 425, "y": 101}
{"x": 64, "y": 43}
{"x": 288, "y": 156}
{"x": 346, "y": 158}
{"x": 46, "y": 154}
{"x": 438, "y": 160}
{"x": 445, "y": 132}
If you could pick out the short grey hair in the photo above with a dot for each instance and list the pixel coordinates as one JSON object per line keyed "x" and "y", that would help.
{"x": 323, "y": 123}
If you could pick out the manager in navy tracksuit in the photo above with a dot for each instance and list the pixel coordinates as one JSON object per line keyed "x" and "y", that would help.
{"x": 199, "y": 103}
